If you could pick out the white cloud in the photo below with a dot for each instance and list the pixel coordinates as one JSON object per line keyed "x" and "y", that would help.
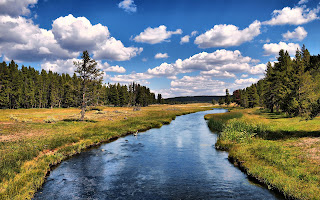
{"x": 161, "y": 55}
{"x": 15, "y": 8}
{"x": 106, "y": 67}
{"x": 246, "y": 82}
{"x": 155, "y": 35}
{"x": 133, "y": 77}
{"x": 274, "y": 48}
{"x": 258, "y": 69}
{"x": 78, "y": 34}
{"x": 244, "y": 75}
{"x": 217, "y": 73}
{"x": 203, "y": 85}
{"x": 22, "y": 40}
{"x": 60, "y": 66}
{"x": 197, "y": 85}
{"x": 298, "y": 34}
{"x": 293, "y": 16}
{"x": 194, "y": 33}
{"x": 164, "y": 69}
{"x": 114, "y": 49}
{"x": 128, "y": 6}
{"x": 185, "y": 39}
{"x": 225, "y": 61}
{"x": 303, "y": 2}
{"x": 227, "y": 35}
{"x": 144, "y": 59}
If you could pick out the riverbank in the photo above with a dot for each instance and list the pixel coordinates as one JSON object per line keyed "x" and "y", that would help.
{"x": 283, "y": 153}
{"x": 34, "y": 140}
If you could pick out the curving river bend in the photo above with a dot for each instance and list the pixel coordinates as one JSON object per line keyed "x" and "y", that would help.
{"x": 176, "y": 161}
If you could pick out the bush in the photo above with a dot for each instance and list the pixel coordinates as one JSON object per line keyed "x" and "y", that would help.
{"x": 50, "y": 120}
{"x": 98, "y": 108}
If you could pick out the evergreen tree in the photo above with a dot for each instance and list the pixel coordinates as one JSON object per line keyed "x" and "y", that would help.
{"x": 221, "y": 101}
{"x": 159, "y": 99}
{"x": 227, "y": 99}
{"x": 88, "y": 71}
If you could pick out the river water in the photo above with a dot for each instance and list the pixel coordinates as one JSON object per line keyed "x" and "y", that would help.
{"x": 176, "y": 161}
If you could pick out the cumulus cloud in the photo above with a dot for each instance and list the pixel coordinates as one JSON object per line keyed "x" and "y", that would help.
{"x": 196, "y": 85}
{"x": 221, "y": 60}
{"x": 106, "y": 67}
{"x": 203, "y": 85}
{"x": 258, "y": 69}
{"x": 227, "y": 35}
{"x": 303, "y": 2}
{"x": 218, "y": 73}
{"x": 60, "y": 66}
{"x": 185, "y": 39}
{"x": 161, "y": 55}
{"x": 293, "y": 16}
{"x": 133, "y": 77}
{"x": 22, "y": 40}
{"x": 128, "y": 6}
{"x": 246, "y": 82}
{"x": 77, "y": 34}
{"x": 194, "y": 33}
{"x": 14, "y": 8}
{"x": 274, "y": 48}
{"x": 114, "y": 49}
{"x": 298, "y": 34}
{"x": 155, "y": 35}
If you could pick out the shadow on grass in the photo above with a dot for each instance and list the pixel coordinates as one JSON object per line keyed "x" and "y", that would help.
{"x": 269, "y": 115}
{"x": 279, "y": 135}
{"x": 78, "y": 120}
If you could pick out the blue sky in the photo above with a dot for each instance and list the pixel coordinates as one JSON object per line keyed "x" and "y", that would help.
{"x": 177, "y": 48}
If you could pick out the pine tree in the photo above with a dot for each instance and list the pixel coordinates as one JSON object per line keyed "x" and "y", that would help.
{"x": 88, "y": 71}
{"x": 227, "y": 99}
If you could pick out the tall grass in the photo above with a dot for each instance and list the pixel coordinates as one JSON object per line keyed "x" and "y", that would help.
{"x": 217, "y": 122}
{"x": 240, "y": 130}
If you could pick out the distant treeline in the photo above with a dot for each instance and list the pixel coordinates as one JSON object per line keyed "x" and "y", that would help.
{"x": 29, "y": 88}
{"x": 291, "y": 86}
{"x": 192, "y": 99}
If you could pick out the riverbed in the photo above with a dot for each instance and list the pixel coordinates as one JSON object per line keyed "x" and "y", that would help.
{"x": 176, "y": 161}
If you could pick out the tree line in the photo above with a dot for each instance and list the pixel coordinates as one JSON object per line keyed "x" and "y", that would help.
{"x": 26, "y": 87}
{"x": 291, "y": 85}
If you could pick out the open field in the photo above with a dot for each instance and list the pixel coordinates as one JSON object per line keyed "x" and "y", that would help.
{"x": 29, "y": 146}
{"x": 283, "y": 153}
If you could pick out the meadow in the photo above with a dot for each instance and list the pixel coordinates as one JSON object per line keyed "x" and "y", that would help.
{"x": 32, "y": 141}
{"x": 281, "y": 152}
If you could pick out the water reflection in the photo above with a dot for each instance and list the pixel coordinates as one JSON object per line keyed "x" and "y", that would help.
{"x": 177, "y": 161}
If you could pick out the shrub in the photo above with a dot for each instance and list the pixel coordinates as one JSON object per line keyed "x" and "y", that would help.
{"x": 50, "y": 120}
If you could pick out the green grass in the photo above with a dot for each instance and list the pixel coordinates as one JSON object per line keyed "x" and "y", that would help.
{"x": 28, "y": 150}
{"x": 216, "y": 122}
{"x": 282, "y": 152}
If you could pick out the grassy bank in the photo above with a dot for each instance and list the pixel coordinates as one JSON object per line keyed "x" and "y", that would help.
{"x": 33, "y": 140}
{"x": 283, "y": 153}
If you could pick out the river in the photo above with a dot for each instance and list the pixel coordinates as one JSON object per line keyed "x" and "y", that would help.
{"x": 176, "y": 161}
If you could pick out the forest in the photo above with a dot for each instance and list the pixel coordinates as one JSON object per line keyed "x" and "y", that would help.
{"x": 291, "y": 85}
{"x": 26, "y": 87}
